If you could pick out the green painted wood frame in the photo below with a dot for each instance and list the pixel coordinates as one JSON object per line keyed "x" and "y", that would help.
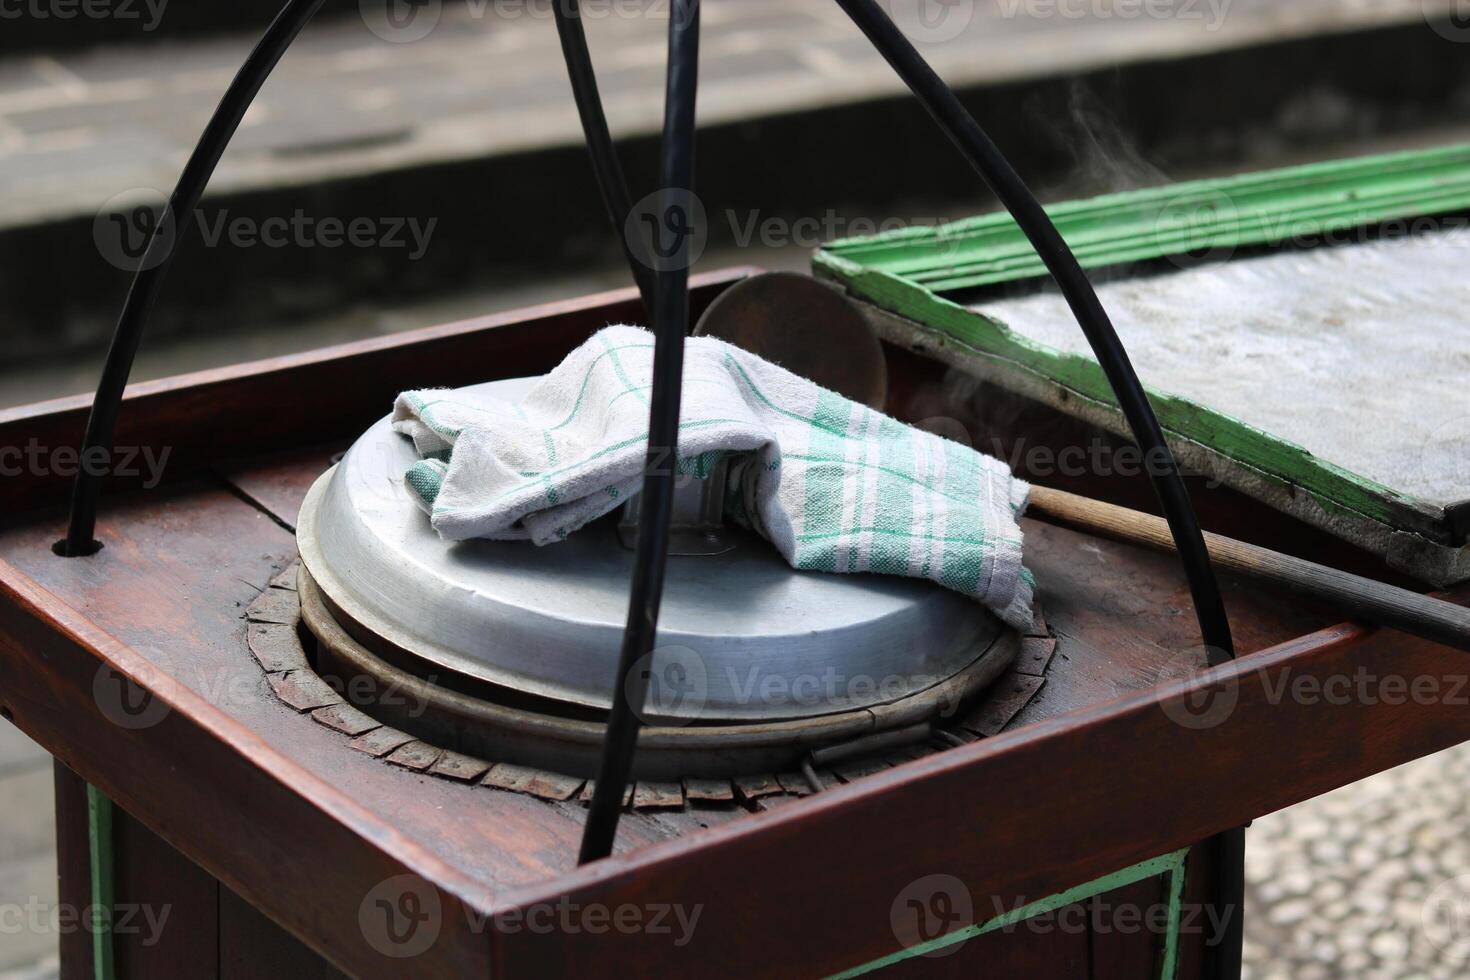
{"x": 1263, "y": 207}
{"x": 905, "y": 272}
{"x": 100, "y": 863}
{"x": 1172, "y": 865}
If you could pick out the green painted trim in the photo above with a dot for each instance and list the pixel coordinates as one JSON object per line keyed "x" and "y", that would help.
{"x": 1334, "y": 488}
{"x": 99, "y": 852}
{"x": 1171, "y": 864}
{"x": 905, "y": 270}
{"x": 1170, "y": 959}
{"x": 1259, "y": 208}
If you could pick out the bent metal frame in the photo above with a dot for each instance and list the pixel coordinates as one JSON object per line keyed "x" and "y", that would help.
{"x": 270, "y": 837}
{"x": 663, "y": 288}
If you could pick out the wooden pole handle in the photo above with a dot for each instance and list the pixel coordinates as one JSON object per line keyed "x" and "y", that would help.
{"x": 1362, "y": 598}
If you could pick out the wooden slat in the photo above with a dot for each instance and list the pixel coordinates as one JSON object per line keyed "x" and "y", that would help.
{"x": 73, "y": 870}
{"x": 418, "y": 756}
{"x": 1125, "y": 938}
{"x": 346, "y": 719}
{"x": 456, "y": 765}
{"x": 152, "y": 879}
{"x": 252, "y": 947}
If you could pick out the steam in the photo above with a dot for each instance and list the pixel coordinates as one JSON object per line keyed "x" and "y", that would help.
{"x": 1107, "y": 157}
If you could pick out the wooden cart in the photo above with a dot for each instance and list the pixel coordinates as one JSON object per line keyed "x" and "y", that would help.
{"x": 1059, "y": 846}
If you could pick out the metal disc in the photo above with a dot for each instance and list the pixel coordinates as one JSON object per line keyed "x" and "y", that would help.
{"x": 806, "y": 327}
{"x": 742, "y": 636}
{"x": 534, "y": 736}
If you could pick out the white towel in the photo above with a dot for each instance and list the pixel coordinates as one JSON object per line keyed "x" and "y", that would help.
{"x": 832, "y": 484}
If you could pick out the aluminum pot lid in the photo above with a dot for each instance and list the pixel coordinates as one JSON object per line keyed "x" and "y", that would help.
{"x": 742, "y": 636}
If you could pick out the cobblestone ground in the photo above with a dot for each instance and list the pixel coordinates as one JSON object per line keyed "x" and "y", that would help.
{"x": 1371, "y": 882}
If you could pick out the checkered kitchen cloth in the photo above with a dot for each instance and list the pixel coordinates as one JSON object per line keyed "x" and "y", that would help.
{"x": 834, "y": 485}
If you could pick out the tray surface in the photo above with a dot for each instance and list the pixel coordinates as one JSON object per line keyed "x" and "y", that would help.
{"x": 1332, "y": 390}
{"x": 1360, "y": 354}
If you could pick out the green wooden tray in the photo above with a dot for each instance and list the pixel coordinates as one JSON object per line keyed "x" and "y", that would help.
{"x": 907, "y": 281}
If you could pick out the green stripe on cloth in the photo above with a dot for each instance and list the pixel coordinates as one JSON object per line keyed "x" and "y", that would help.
{"x": 833, "y": 485}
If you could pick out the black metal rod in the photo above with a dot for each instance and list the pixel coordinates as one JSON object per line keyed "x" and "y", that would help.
{"x": 1227, "y": 849}
{"x": 605, "y": 166}
{"x": 102, "y": 423}
{"x": 985, "y": 157}
{"x": 1225, "y": 853}
{"x": 670, "y": 324}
